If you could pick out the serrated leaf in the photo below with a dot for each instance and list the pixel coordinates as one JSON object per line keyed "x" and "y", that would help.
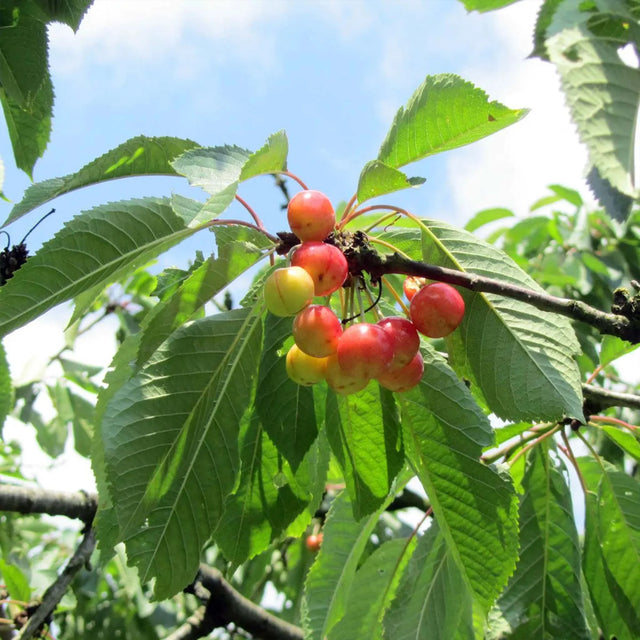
{"x": 364, "y": 434}
{"x": 290, "y": 422}
{"x": 238, "y": 249}
{"x": 214, "y": 169}
{"x": 378, "y": 179}
{"x": 444, "y": 432}
{"x": 170, "y": 438}
{"x": 372, "y": 591}
{"x": 6, "y": 388}
{"x": 602, "y": 91}
{"x": 270, "y": 158}
{"x": 613, "y": 348}
{"x": 141, "y": 155}
{"x": 616, "y": 527}
{"x": 70, "y": 12}
{"x": 521, "y": 357}
{"x": 544, "y": 597}
{"x": 29, "y": 129}
{"x": 333, "y": 572}
{"x": 92, "y": 250}
{"x": 444, "y": 113}
{"x": 487, "y": 216}
{"x": 433, "y": 600}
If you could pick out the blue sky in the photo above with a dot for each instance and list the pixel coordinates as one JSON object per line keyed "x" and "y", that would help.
{"x": 331, "y": 73}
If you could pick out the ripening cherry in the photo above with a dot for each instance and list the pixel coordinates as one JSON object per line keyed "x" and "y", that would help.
{"x": 311, "y": 215}
{"x": 325, "y": 263}
{"x": 365, "y": 350}
{"x": 406, "y": 377}
{"x": 313, "y": 542}
{"x": 288, "y": 290}
{"x": 436, "y": 310}
{"x": 341, "y": 382}
{"x": 316, "y": 331}
{"x": 304, "y": 369}
{"x": 404, "y": 337}
{"x": 413, "y": 284}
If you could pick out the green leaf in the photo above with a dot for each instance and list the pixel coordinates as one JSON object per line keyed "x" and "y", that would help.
{"x": 625, "y": 440}
{"x": 601, "y": 90}
{"x": 170, "y": 438}
{"x": 372, "y": 591}
{"x": 521, "y": 357}
{"x": 378, "y": 179}
{"x": 137, "y": 156}
{"x": 444, "y": 113}
{"x": 613, "y": 348}
{"x": 6, "y": 388}
{"x": 487, "y": 216}
{"x": 238, "y": 249}
{"x": 291, "y": 421}
{"x": 485, "y": 5}
{"x": 444, "y": 432}
{"x": 433, "y": 600}
{"x": 29, "y": 129}
{"x": 364, "y": 433}
{"x": 544, "y": 596}
{"x": 92, "y": 250}
{"x": 212, "y": 168}
{"x": 70, "y": 12}
{"x": 15, "y": 581}
{"x": 333, "y": 572}
{"x": 271, "y": 158}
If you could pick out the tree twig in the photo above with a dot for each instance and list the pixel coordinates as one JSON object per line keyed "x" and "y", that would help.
{"x": 605, "y": 398}
{"x": 56, "y": 591}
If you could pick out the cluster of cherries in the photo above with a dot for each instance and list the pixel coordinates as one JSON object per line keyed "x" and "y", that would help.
{"x": 348, "y": 358}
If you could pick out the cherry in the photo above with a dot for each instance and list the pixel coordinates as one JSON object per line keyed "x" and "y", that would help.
{"x": 325, "y": 263}
{"x": 413, "y": 284}
{"x": 316, "y": 330}
{"x": 313, "y": 542}
{"x": 305, "y": 369}
{"x": 341, "y": 382}
{"x": 404, "y": 337}
{"x": 288, "y": 290}
{"x": 365, "y": 350}
{"x": 436, "y": 310}
{"x": 404, "y": 378}
{"x": 310, "y": 215}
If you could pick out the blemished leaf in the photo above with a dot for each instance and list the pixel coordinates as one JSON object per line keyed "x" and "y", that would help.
{"x": 544, "y": 597}
{"x": 612, "y": 548}
{"x": 290, "y": 422}
{"x": 6, "y": 388}
{"x": 486, "y": 5}
{"x": 378, "y": 179}
{"x": 521, "y": 357}
{"x": 601, "y": 90}
{"x": 92, "y": 250}
{"x": 270, "y": 158}
{"x": 487, "y": 216}
{"x": 170, "y": 438}
{"x": 444, "y": 113}
{"x": 332, "y": 574}
{"x": 238, "y": 249}
{"x": 137, "y": 156}
{"x": 372, "y": 591}
{"x": 15, "y": 581}
{"x": 29, "y": 129}
{"x": 444, "y": 432}
{"x": 364, "y": 433}
{"x": 613, "y": 348}
{"x": 433, "y": 600}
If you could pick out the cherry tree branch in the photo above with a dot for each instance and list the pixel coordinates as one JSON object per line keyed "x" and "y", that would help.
{"x": 25, "y": 500}
{"x": 605, "y": 398}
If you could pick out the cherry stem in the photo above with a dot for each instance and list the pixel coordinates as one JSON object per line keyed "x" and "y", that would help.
{"x": 373, "y": 225}
{"x": 596, "y": 371}
{"x": 380, "y": 207}
{"x": 242, "y": 223}
{"x": 568, "y": 451}
{"x": 293, "y": 176}
{"x": 44, "y": 217}
{"x": 394, "y": 293}
{"x": 344, "y": 218}
{"x": 535, "y": 443}
{"x": 615, "y": 421}
{"x": 251, "y": 211}
{"x": 372, "y": 303}
{"x": 375, "y": 240}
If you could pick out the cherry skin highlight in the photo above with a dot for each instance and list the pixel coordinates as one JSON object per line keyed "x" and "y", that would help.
{"x": 365, "y": 350}
{"x": 404, "y": 337}
{"x": 325, "y": 263}
{"x": 288, "y": 290}
{"x": 316, "y": 331}
{"x": 437, "y": 310}
{"x": 311, "y": 215}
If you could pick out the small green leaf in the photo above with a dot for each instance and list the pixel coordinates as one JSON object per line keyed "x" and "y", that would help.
{"x": 487, "y": 216}
{"x": 378, "y": 179}
{"x": 137, "y": 156}
{"x": 613, "y": 348}
{"x": 271, "y": 158}
{"x": 15, "y": 582}
{"x": 91, "y": 251}
{"x": 485, "y": 5}
{"x": 444, "y": 113}
{"x": 624, "y": 440}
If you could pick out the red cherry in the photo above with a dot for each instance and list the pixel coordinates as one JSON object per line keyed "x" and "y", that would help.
{"x": 405, "y": 378}
{"x": 404, "y": 337}
{"x": 436, "y": 310}
{"x": 342, "y": 382}
{"x": 413, "y": 284}
{"x": 310, "y": 215}
{"x": 314, "y": 542}
{"x": 316, "y": 330}
{"x": 325, "y": 263}
{"x": 365, "y": 350}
